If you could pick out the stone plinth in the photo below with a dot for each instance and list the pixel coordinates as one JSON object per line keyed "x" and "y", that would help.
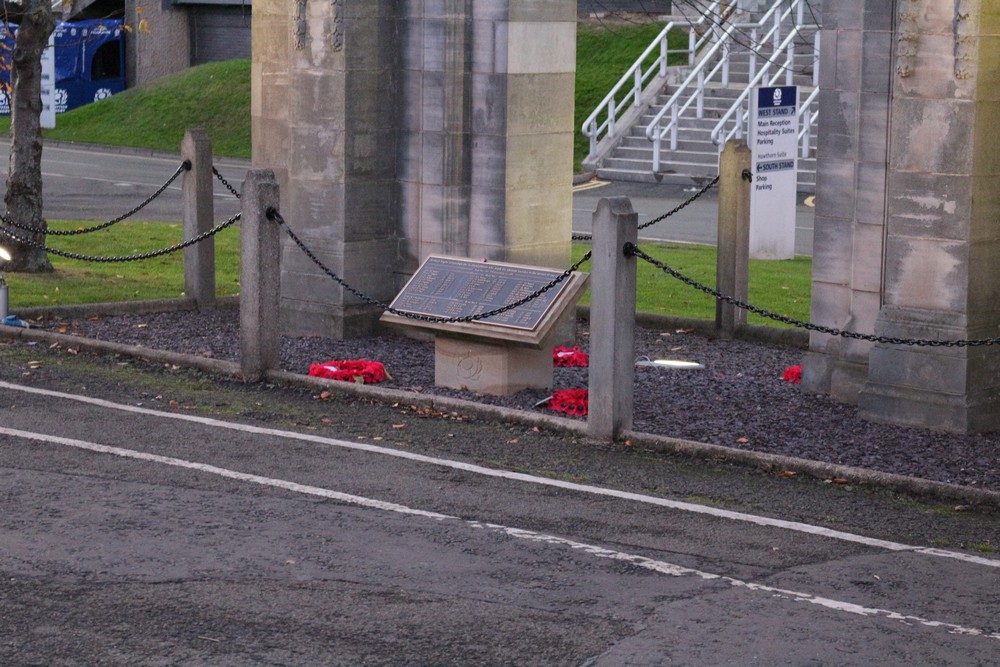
{"x": 490, "y": 368}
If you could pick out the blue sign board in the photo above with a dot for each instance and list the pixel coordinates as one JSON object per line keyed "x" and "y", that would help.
{"x": 90, "y": 62}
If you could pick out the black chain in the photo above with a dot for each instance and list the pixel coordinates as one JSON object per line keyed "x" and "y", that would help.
{"x": 185, "y": 166}
{"x": 274, "y": 215}
{"x": 125, "y": 258}
{"x": 708, "y": 186}
{"x": 632, "y": 249}
{"x": 225, "y": 182}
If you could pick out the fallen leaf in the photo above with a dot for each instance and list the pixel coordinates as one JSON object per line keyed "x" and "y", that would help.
{"x": 536, "y": 429}
{"x": 514, "y": 441}
{"x": 742, "y": 441}
{"x": 398, "y": 426}
{"x": 72, "y": 351}
{"x": 840, "y": 480}
{"x": 325, "y": 396}
{"x": 326, "y": 420}
{"x": 962, "y": 508}
{"x": 787, "y": 473}
{"x": 628, "y": 443}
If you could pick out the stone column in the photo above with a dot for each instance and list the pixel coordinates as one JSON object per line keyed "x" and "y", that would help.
{"x": 855, "y": 78}
{"x": 399, "y": 130}
{"x": 487, "y": 147}
{"x": 943, "y": 241}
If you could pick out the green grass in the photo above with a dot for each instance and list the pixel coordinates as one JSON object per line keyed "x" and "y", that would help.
{"x": 76, "y": 282}
{"x": 779, "y": 286}
{"x": 783, "y": 287}
{"x": 215, "y": 97}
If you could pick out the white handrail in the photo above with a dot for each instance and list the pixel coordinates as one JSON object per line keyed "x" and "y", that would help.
{"x": 774, "y": 15}
{"x": 637, "y": 77}
{"x": 738, "y": 105}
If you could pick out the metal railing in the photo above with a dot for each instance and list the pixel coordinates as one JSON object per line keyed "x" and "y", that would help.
{"x": 714, "y": 66}
{"x": 739, "y": 112}
{"x": 646, "y": 78}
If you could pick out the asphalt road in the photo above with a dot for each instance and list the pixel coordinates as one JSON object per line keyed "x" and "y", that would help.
{"x": 154, "y": 516}
{"x": 97, "y": 185}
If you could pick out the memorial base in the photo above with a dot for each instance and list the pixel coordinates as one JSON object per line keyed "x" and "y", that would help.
{"x": 486, "y": 368}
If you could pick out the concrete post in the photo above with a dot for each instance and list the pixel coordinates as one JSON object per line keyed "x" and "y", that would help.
{"x": 199, "y": 259}
{"x": 260, "y": 275}
{"x": 733, "y": 255}
{"x": 612, "y": 320}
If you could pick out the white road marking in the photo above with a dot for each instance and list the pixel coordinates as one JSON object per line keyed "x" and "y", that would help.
{"x": 521, "y": 477}
{"x": 659, "y": 566}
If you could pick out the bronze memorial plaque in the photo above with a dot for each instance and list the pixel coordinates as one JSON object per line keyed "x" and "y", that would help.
{"x": 454, "y": 287}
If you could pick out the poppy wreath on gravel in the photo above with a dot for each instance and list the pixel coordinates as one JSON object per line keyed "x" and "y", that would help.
{"x": 571, "y": 401}
{"x": 570, "y": 356}
{"x": 362, "y": 371}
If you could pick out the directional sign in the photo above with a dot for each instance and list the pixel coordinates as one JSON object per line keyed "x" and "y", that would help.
{"x": 774, "y": 139}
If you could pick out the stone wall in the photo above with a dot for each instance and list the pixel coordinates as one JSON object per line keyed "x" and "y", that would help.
{"x": 161, "y": 51}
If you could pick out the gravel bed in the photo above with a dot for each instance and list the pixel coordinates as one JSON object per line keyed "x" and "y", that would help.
{"x": 738, "y": 400}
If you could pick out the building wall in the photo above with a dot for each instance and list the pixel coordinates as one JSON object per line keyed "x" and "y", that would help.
{"x": 162, "y": 48}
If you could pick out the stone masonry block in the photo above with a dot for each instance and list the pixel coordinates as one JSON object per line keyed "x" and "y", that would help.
{"x": 850, "y": 56}
{"x": 536, "y": 48}
{"x": 866, "y": 273}
{"x": 530, "y": 100}
{"x": 841, "y": 119}
{"x": 835, "y": 182}
{"x": 320, "y": 96}
{"x": 489, "y": 114}
{"x": 925, "y": 205}
{"x": 870, "y": 194}
{"x": 873, "y": 133}
{"x": 876, "y": 63}
{"x": 926, "y": 273}
{"x": 539, "y": 160}
{"x": 833, "y": 242}
{"x": 543, "y": 10}
{"x": 932, "y": 136}
{"x": 845, "y": 15}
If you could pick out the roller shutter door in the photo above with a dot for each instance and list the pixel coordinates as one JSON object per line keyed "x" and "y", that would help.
{"x": 219, "y": 33}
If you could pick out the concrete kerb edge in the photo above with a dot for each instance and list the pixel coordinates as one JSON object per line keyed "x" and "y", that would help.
{"x": 696, "y": 450}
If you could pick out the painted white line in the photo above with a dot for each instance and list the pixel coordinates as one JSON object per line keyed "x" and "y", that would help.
{"x": 659, "y": 566}
{"x": 221, "y": 472}
{"x": 730, "y": 515}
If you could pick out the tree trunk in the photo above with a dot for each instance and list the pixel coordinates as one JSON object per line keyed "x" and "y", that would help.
{"x": 24, "y": 182}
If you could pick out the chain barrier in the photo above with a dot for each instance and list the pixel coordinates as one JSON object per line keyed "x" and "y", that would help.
{"x": 222, "y": 180}
{"x": 185, "y": 166}
{"x": 273, "y": 215}
{"x": 632, "y": 249}
{"x": 680, "y": 207}
{"x": 124, "y": 258}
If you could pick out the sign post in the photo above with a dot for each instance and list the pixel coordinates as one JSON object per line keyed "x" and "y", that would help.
{"x": 774, "y": 139}
{"x": 48, "y": 115}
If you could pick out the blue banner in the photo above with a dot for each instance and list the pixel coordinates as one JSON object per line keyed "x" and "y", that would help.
{"x": 90, "y": 62}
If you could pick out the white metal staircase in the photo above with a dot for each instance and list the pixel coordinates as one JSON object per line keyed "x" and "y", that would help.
{"x": 669, "y": 123}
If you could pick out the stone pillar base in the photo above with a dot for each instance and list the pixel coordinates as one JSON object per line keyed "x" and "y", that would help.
{"x": 500, "y": 370}
{"x": 947, "y": 388}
